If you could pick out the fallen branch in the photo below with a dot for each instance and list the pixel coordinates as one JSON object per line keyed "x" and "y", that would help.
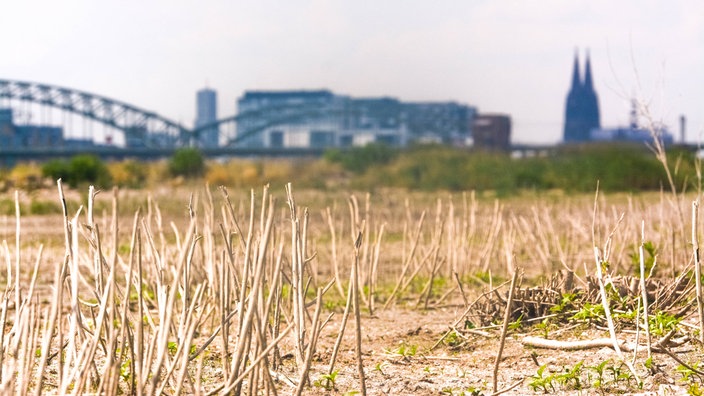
{"x": 538, "y": 342}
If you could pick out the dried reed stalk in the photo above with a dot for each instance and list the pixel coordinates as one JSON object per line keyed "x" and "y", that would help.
{"x": 697, "y": 268}
{"x": 504, "y": 331}
{"x": 644, "y": 292}
{"x": 333, "y": 250}
{"x": 607, "y": 313}
{"x": 408, "y": 261}
{"x": 357, "y": 316}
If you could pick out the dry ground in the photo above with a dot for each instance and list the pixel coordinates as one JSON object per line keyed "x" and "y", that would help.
{"x": 397, "y": 346}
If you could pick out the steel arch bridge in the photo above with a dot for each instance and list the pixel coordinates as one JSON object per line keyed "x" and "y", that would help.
{"x": 144, "y": 129}
{"x": 141, "y": 128}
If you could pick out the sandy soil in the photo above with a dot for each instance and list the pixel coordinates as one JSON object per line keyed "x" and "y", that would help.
{"x": 468, "y": 368}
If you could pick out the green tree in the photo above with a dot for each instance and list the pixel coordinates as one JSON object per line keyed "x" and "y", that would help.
{"x": 83, "y": 168}
{"x": 187, "y": 162}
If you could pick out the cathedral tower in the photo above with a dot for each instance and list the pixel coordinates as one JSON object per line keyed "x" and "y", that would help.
{"x": 582, "y": 106}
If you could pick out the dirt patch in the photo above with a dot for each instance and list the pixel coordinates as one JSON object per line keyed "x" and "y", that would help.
{"x": 398, "y": 360}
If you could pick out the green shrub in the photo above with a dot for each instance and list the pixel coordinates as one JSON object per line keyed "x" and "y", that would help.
{"x": 359, "y": 159}
{"x": 573, "y": 168}
{"x": 56, "y": 169}
{"x": 7, "y": 206}
{"x": 38, "y": 207}
{"x": 187, "y": 162}
{"x": 78, "y": 170}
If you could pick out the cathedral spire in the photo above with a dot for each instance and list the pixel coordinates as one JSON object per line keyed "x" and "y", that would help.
{"x": 588, "y": 84}
{"x": 582, "y": 105}
{"x": 576, "y": 80}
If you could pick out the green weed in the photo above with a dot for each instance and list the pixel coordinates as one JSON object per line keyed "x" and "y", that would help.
{"x": 648, "y": 261}
{"x": 662, "y": 323}
{"x": 545, "y": 326}
{"x": 589, "y": 312}
{"x": 541, "y": 382}
{"x": 404, "y": 350}
{"x": 326, "y": 381}
{"x": 566, "y": 303}
{"x": 453, "y": 339}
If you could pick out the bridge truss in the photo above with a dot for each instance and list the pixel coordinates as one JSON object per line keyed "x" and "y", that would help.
{"x": 129, "y": 130}
{"x": 140, "y": 128}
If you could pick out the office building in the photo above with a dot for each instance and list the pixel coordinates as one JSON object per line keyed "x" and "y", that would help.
{"x": 492, "y": 132}
{"x": 320, "y": 119}
{"x": 206, "y": 114}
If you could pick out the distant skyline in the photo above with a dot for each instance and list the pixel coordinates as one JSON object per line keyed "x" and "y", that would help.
{"x": 511, "y": 57}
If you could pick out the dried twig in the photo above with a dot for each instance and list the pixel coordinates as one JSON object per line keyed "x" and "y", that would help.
{"x": 504, "y": 330}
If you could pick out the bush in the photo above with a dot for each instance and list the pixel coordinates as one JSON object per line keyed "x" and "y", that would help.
{"x": 26, "y": 176}
{"x": 129, "y": 173}
{"x": 7, "y": 206}
{"x": 187, "y": 162}
{"x": 39, "y": 207}
{"x": 78, "y": 170}
{"x": 574, "y": 168}
{"x": 359, "y": 159}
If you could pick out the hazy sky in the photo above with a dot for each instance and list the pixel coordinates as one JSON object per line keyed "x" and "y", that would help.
{"x": 511, "y": 57}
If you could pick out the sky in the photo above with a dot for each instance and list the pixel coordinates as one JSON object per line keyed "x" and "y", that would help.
{"x": 512, "y": 57}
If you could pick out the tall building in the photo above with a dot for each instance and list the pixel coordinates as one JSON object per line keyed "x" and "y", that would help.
{"x": 206, "y": 113}
{"x": 492, "y": 132}
{"x": 289, "y": 119}
{"x": 440, "y": 122}
{"x": 320, "y": 118}
{"x": 582, "y": 107}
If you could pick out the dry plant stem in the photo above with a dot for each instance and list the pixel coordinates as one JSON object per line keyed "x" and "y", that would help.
{"x": 467, "y": 310}
{"x": 166, "y": 301}
{"x": 59, "y": 284}
{"x": 17, "y": 255}
{"x": 509, "y": 388}
{"x": 375, "y": 266}
{"x": 139, "y": 346}
{"x": 311, "y": 343}
{"x": 459, "y": 285}
{"x": 357, "y": 316}
{"x": 697, "y": 268}
{"x": 343, "y": 325}
{"x": 437, "y": 262}
{"x": 254, "y": 364}
{"x": 644, "y": 293}
{"x": 359, "y": 224}
{"x": 494, "y": 232}
{"x": 504, "y": 330}
{"x": 297, "y": 287}
{"x": 408, "y": 261}
{"x": 240, "y": 359}
{"x": 683, "y": 363}
{"x": 231, "y": 211}
{"x": 49, "y": 325}
{"x": 246, "y": 264}
{"x": 607, "y": 313}
{"x": 333, "y": 249}
{"x": 658, "y": 148}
